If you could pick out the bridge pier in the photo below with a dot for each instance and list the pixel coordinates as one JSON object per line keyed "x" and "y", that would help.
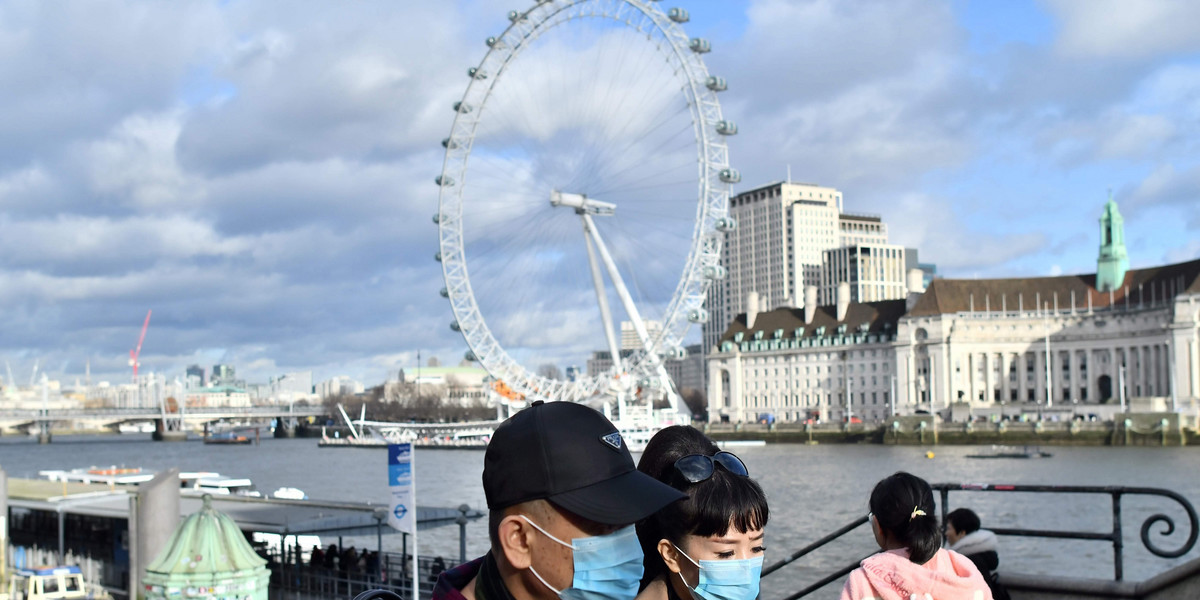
{"x": 163, "y": 433}
{"x": 285, "y": 428}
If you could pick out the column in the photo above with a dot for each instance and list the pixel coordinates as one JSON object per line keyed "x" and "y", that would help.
{"x": 985, "y": 361}
{"x": 1005, "y": 384}
{"x": 1039, "y": 376}
{"x": 1022, "y": 381}
{"x": 1113, "y": 372}
{"x": 1074, "y": 383}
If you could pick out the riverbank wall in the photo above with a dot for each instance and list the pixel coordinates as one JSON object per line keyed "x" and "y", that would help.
{"x": 1136, "y": 429}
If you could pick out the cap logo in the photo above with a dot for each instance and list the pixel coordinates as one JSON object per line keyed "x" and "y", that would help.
{"x": 613, "y": 439}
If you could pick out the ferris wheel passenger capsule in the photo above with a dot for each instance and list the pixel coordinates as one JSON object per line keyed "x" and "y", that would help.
{"x": 444, "y": 292}
{"x": 515, "y": 15}
{"x": 678, "y": 15}
{"x": 699, "y": 45}
{"x": 437, "y": 219}
{"x": 677, "y": 353}
{"x": 477, "y": 73}
{"x": 698, "y": 315}
{"x": 727, "y": 128}
{"x": 491, "y": 41}
{"x": 438, "y": 257}
{"x": 716, "y": 84}
{"x": 726, "y": 224}
{"x": 444, "y": 180}
{"x": 714, "y": 272}
{"x": 449, "y": 144}
{"x": 462, "y": 107}
{"x": 454, "y": 326}
{"x": 470, "y": 356}
{"x": 730, "y": 175}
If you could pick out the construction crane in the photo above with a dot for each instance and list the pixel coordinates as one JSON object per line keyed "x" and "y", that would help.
{"x": 136, "y": 352}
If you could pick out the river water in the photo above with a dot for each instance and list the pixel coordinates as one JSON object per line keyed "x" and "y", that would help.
{"x": 812, "y": 490}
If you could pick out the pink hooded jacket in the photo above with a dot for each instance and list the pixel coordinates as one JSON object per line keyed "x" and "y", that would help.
{"x": 891, "y": 576}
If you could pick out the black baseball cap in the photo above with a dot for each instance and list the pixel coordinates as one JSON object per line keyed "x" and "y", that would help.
{"x": 571, "y": 455}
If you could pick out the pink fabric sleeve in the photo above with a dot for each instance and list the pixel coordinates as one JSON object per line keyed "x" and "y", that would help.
{"x": 857, "y": 587}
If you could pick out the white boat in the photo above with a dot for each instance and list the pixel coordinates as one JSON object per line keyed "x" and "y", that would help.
{"x": 190, "y": 482}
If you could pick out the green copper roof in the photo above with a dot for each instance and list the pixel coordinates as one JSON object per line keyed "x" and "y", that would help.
{"x": 208, "y": 553}
{"x": 1113, "y": 262}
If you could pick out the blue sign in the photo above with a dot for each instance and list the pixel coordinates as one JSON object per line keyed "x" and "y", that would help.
{"x": 400, "y": 480}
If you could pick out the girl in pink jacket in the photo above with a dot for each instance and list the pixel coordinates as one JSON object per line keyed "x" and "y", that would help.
{"x": 913, "y": 565}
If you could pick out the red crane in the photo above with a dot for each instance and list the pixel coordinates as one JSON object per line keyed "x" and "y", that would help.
{"x": 136, "y": 352}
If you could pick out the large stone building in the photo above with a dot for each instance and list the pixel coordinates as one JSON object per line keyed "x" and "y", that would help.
{"x": 793, "y": 235}
{"x": 1078, "y": 344}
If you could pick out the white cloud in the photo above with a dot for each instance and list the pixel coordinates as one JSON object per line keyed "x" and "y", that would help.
{"x": 1119, "y": 29}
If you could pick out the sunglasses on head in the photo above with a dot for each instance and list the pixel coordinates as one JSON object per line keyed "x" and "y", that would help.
{"x": 698, "y": 467}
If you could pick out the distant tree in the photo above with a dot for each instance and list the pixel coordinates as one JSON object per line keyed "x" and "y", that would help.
{"x": 549, "y": 371}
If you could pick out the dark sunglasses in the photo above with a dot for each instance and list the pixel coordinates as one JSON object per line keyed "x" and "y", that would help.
{"x": 698, "y": 467}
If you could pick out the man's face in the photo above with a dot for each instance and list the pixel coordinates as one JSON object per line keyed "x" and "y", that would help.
{"x": 952, "y": 534}
{"x": 554, "y": 561}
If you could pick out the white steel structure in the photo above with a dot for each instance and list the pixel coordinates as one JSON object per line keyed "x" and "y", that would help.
{"x": 595, "y": 145}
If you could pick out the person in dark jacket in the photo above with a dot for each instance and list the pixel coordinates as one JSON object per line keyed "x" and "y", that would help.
{"x": 562, "y": 495}
{"x": 964, "y": 535}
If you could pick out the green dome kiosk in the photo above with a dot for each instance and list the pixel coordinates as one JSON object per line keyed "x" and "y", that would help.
{"x": 207, "y": 558}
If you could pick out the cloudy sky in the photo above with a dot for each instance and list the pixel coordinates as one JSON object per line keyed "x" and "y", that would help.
{"x": 260, "y": 173}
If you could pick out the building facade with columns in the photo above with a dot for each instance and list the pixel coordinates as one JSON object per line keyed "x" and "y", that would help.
{"x": 1079, "y": 344}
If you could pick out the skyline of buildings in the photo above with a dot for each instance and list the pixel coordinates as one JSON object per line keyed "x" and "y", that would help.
{"x": 792, "y": 235}
{"x": 975, "y": 347}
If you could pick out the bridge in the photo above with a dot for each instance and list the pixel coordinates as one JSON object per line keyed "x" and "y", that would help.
{"x": 100, "y": 418}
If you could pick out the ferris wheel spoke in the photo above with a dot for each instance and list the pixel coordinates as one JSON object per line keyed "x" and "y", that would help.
{"x": 603, "y": 102}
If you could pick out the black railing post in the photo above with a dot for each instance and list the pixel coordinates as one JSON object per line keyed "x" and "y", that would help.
{"x": 1118, "y": 540}
{"x": 945, "y": 501}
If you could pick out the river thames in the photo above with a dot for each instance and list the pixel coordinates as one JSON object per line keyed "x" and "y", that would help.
{"x": 812, "y": 490}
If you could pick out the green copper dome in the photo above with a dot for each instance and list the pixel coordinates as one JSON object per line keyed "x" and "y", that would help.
{"x": 207, "y": 558}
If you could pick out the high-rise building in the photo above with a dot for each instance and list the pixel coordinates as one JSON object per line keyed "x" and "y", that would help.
{"x": 629, "y": 336}
{"x": 783, "y": 229}
{"x": 874, "y": 271}
{"x": 222, "y": 375}
{"x": 195, "y": 376}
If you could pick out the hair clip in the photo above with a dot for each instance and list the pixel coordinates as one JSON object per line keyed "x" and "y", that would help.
{"x": 917, "y": 512}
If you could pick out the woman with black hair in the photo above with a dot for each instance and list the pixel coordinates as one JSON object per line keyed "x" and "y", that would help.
{"x": 913, "y": 564}
{"x": 708, "y": 546}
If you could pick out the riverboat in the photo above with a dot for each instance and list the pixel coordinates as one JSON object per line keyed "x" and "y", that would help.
{"x": 1012, "y": 452}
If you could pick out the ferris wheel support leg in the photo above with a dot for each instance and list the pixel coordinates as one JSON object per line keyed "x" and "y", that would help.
{"x": 626, "y": 300}
{"x": 602, "y": 298}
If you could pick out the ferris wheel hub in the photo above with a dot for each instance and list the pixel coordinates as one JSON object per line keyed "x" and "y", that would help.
{"x": 582, "y": 204}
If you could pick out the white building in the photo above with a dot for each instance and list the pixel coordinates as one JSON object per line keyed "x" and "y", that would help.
{"x": 338, "y": 386}
{"x": 775, "y": 250}
{"x": 629, "y": 336}
{"x": 292, "y": 386}
{"x": 988, "y": 346}
{"x": 875, "y": 271}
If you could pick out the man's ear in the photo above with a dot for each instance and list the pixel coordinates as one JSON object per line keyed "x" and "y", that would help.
{"x": 669, "y": 555}
{"x": 515, "y": 534}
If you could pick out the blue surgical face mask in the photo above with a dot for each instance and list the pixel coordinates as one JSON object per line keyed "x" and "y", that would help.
{"x": 731, "y": 579}
{"x": 607, "y": 567}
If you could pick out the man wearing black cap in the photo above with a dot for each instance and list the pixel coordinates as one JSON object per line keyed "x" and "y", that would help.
{"x": 562, "y": 494}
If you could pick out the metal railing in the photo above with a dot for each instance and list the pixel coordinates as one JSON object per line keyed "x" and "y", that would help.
{"x": 1115, "y": 536}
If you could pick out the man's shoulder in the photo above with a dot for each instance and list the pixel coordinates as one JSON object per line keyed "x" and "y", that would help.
{"x": 451, "y": 582}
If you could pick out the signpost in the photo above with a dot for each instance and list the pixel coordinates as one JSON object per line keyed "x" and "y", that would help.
{"x": 403, "y": 513}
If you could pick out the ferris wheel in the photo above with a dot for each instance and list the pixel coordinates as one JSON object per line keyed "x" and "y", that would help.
{"x": 584, "y": 199}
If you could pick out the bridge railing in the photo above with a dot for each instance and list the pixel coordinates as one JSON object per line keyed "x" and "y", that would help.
{"x": 1113, "y": 537}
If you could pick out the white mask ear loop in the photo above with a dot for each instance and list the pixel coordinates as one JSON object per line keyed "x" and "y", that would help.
{"x": 681, "y": 572}
{"x": 547, "y": 533}
{"x": 557, "y": 592}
